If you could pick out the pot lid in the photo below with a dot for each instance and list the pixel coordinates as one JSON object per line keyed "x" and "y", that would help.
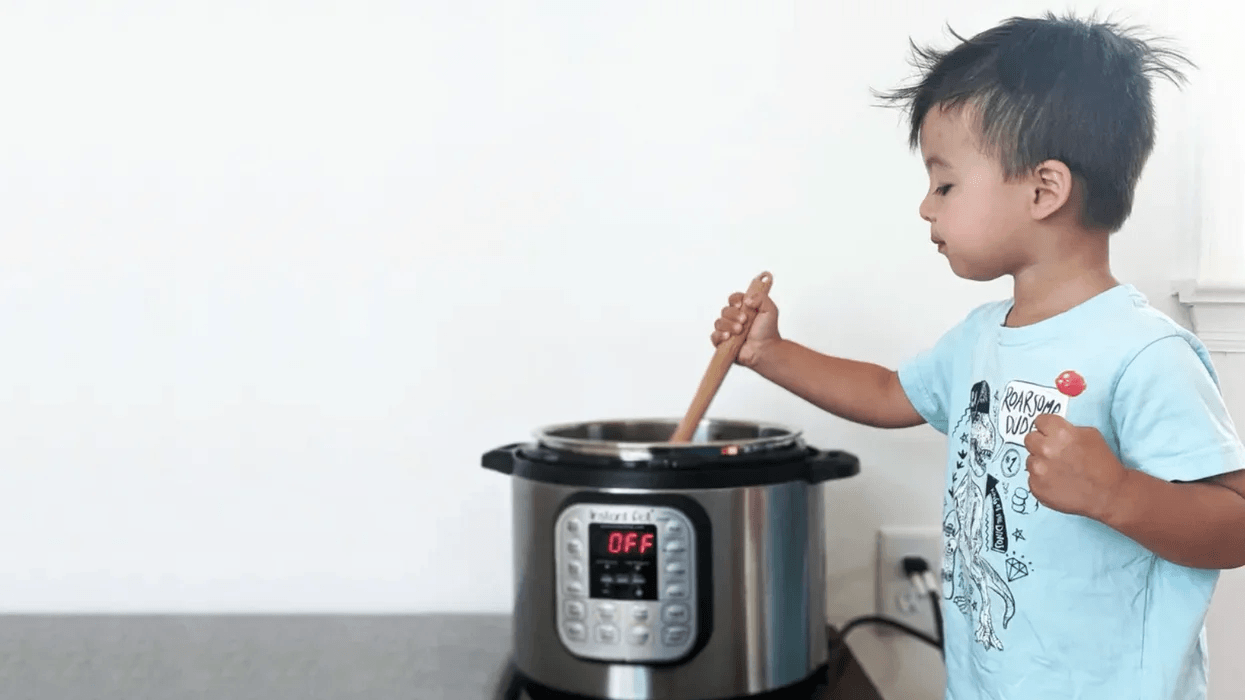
{"x": 646, "y": 439}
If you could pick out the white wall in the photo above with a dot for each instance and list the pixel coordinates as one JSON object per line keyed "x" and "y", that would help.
{"x": 274, "y": 280}
{"x": 1225, "y": 628}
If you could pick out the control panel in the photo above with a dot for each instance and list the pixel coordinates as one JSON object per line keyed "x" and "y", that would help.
{"x": 626, "y": 578}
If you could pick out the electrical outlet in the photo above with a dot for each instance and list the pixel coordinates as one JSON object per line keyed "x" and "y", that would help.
{"x": 896, "y": 597}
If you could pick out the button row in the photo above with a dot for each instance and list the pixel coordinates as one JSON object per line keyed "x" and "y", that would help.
{"x": 676, "y": 567}
{"x": 575, "y": 569}
{"x": 638, "y": 635}
{"x": 674, "y": 614}
{"x": 607, "y": 612}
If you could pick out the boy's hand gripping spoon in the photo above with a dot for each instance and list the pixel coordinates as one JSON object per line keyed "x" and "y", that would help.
{"x": 725, "y": 356}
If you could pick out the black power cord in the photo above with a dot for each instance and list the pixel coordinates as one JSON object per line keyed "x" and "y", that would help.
{"x": 923, "y": 581}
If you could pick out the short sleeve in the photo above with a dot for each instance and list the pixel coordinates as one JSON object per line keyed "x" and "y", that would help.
{"x": 926, "y": 378}
{"x": 1169, "y": 415}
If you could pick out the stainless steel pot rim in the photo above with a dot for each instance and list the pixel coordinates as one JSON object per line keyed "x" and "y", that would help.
{"x": 708, "y": 435}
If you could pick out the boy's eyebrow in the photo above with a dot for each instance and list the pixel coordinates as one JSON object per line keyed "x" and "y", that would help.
{"x": 935, "y": 160}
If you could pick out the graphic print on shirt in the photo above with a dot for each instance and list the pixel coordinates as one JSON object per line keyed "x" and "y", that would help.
{"x": 968, "y": 578}
{"x": 982, "y": 435}
{"x": 975, "y": 526}
{"x": 1023, "y": 402}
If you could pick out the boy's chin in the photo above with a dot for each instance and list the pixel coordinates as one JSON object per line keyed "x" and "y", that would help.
{"x": 973, "y": 274}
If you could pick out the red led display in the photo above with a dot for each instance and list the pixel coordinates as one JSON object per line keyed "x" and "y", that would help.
{"x": 628, "y": 542}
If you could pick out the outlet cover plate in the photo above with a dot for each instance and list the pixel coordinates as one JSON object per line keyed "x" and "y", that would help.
{"x": 896, "y": 598}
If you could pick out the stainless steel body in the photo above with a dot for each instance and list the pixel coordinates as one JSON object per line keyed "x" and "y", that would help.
{"x": 768, "y": 588}
{"x": 646, "y": 570}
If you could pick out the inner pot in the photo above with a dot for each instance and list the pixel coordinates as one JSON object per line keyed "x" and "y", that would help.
{"x": 641, "y": 439}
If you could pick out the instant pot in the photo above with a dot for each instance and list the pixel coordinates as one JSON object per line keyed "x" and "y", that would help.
{"x": 647, "y": 570}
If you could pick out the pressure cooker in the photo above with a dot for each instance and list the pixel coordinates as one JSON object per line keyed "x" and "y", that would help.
{"x": 645, "y": 569}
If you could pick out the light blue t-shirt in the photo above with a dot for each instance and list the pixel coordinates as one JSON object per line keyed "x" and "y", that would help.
{"x": 1039, "y": 604}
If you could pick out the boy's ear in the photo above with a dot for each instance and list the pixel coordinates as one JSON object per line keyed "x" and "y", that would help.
{"x": 1051, "y": 187}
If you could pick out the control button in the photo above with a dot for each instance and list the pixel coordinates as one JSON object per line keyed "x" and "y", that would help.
{"x": 676, "y": 590}
{"x": 677, "y": 568}
{"x": 676, "y": 614}
{"x": 674, "y": 636}
{"x": 638, "y": 635}
{"x": 675, "y": 546}
{"x": 576, "y": 632}
{"x": 575, "y": 568}
{"x": 636, "y": 580}
{"x": 638, "y": 591}
{"x": 605, "y": 611}
{"x": 606, "y": 579}
{"x": 575, "y": 610}
{"x": 574, "y": 548}
{"x": 674, "y": 527}
{"x": 607, "y": 634}
{"x": 572, "y": 525}
{"x": 639, "y": 614}
{"x": 574, "y": 588}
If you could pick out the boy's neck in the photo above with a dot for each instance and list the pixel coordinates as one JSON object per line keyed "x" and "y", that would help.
{"x": 1075, "y": 268}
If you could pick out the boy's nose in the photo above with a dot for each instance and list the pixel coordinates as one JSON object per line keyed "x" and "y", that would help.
{"x": 924, "y": 210}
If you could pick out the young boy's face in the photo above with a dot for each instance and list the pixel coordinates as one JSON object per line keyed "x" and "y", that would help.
{"x": 977, "y": 220}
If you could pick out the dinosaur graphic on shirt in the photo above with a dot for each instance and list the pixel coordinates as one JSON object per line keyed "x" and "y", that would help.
{"x": 965, "y": 544}
{"x": 975, "y": 524}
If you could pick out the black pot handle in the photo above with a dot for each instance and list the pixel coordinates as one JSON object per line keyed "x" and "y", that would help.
{"x": 824, "y": 465}
{"x": 501, "y": 459}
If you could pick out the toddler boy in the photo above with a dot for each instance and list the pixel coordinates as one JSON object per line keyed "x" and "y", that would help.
{"x": 1095, "y": 483}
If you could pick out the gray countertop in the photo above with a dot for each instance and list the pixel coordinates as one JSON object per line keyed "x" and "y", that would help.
{"x": 179, "y": 657}
{"x": 274, "y": 657}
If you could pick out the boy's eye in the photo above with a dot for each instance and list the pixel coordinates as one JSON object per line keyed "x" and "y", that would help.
{"x": 944, "y": 189}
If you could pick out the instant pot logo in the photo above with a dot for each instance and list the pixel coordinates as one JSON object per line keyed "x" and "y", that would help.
{"x": 622, "y": 515}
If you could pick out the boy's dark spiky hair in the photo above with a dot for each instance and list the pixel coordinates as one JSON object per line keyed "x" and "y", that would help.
{"x": 1052, "y": 89}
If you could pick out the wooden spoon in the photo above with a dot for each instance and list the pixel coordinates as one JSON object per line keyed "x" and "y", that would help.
{"x": 723, "y": 358}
